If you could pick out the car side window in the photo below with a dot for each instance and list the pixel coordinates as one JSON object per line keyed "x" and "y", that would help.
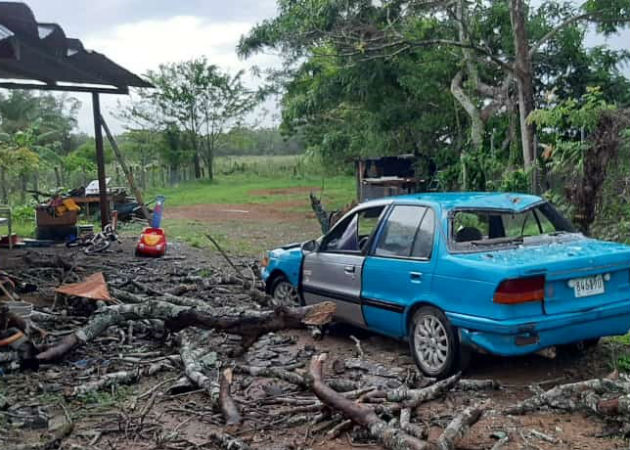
{"x": 423, "y": 244}
{"x": 353, "y": 234}
{"x": 400, "y": 231}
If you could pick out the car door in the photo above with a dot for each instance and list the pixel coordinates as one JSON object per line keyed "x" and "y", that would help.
{"x": 333, "y": 272}
{"x": 398, "y": 270}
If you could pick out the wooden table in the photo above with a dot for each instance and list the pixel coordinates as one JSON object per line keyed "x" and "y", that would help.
{"x": 87, "y": 201}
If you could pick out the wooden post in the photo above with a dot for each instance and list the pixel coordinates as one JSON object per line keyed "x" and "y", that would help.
{"x": 100, "y": 160}
{"x": 123, "y": 165}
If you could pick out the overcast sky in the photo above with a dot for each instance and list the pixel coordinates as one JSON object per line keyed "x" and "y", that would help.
{"x": 141, "y": 34}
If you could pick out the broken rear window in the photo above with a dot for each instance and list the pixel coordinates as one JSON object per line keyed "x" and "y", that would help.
{"x": 472, "y": 229}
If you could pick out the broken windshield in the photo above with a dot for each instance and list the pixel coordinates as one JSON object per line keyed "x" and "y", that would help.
{"x": 481, "y": 228}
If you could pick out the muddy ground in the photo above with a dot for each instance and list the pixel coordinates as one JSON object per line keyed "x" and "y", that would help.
{"x": 146, "y": 415}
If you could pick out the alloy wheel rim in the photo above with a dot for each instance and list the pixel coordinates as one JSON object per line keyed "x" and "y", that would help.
{"x": 431, "y": 343}
{"x": 285, "y": 291}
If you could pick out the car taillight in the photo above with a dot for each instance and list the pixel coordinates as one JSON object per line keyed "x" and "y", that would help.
{"x": 520, "y": 290}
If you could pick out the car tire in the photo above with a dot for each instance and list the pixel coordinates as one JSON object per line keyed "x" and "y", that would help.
{"x": 283, "y": 291}
{"x": 440, "y": 355}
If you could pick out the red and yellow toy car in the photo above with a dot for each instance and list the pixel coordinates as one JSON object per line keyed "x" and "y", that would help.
{"x": 152, "y": 242}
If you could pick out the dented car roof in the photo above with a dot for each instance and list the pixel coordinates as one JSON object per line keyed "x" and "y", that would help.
{"x": 493, "y": 200}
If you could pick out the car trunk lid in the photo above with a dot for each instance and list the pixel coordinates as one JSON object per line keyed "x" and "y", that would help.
{"x": 594, "y": 274}
{"x": 580, "y": 273}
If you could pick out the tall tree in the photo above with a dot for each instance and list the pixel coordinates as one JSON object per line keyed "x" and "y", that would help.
{"x": 201, "y": 100}
{"x": 500, "y": 44}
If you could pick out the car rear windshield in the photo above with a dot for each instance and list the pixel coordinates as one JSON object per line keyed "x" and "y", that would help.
{"x": 478, "y": 229}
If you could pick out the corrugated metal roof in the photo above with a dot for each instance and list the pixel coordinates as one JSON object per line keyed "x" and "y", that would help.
{"x": 41, "y": 51}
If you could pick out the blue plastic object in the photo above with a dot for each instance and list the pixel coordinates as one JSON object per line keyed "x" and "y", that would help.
{"x": 157, "y": 211}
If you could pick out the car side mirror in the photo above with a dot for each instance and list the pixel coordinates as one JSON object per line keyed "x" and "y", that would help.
{"x": 310, "y": 246}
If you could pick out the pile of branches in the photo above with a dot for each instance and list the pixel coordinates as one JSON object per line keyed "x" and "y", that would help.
{"x": 217, "y": 331}
{"x": 606, "y": 397}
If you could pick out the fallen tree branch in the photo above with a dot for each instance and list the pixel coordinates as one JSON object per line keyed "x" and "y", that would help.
{"x": 564, "y": 396}
{"x": 414, "y": 397}
{"x": 116, "y": 378}
{"x": 458, "y": 427}
{"x": 248, "y": 325}
{"x": 190, "y": 358}
{"x": 228, "y": 442}
{"x": 51, "y": 444}
{"x": 226, "y": 257}
{"x": 228, "y": 407}
{"x": 389, "y": 437}
{"x": 414, "y": 430}
{"x": 273, "y": 372}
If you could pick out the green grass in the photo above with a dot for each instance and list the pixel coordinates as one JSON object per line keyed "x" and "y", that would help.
{"x": 620, "y": 347}
{"x": 241, "y": 188}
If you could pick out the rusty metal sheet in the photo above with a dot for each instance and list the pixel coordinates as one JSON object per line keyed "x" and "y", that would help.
{"x": 93, "y": 287}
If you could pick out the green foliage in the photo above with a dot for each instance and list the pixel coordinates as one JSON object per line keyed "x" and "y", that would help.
{"x": 563, "y": 128}
{"x": 366, "y": 78}
{"x": 23, "y": 214}
{"x": 515, "y": 181}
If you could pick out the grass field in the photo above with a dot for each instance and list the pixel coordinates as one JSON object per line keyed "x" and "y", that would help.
{"x": 274, "y": 191}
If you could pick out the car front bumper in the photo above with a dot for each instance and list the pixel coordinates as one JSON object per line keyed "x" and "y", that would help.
{"x": 519, "y": 337}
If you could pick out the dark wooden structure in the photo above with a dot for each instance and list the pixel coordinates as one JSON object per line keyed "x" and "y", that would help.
{"x": 36, "y": 55}
{"x": 386, "y": 176}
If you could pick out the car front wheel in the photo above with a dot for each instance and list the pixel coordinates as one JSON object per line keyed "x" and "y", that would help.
{"x": 283, "y": 291}
{"x": 434, "y": 344}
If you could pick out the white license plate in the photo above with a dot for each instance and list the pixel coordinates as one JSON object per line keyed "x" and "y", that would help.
{"x": 587, "y": 286}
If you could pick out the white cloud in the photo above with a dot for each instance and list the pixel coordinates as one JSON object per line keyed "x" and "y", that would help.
{"x": 144, "y": 45}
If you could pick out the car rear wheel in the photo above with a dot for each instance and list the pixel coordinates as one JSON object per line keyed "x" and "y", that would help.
{"x": 434, "y": 344}
{"x": 283, "y": 291}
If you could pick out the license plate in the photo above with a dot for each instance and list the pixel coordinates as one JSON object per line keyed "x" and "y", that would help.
{"x": 587, "y": 286}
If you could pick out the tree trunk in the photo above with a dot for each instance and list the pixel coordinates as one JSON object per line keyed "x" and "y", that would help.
{"x": 4, "y": 191}
{"x": 196, "y": 161}
{"x": 524, "y": 80}
{"x": 248, "y": 325}
{"x": 23, "y": 183}
{"x": 173, "y": 174}
{"x": 58, "y": 177}
{"x": 477, "y": 126}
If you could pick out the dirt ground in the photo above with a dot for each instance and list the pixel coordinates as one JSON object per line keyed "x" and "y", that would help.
{"x": 182, "y": 419}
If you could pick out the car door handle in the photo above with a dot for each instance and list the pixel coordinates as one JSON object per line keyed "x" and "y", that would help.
{"x": 416, "y": 277}
{"x": 349, "y": 269}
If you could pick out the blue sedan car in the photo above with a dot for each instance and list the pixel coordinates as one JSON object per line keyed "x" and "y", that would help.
{"x": 495, "y": 272}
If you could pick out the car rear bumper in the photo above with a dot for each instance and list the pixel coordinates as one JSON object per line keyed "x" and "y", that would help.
{"x": 519, "y": 337}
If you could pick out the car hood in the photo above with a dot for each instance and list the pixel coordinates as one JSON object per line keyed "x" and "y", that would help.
{"x": 287, "y": 251}
{"x": 551, "y": 255}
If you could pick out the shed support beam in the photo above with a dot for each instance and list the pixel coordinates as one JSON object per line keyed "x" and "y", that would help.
{"x": 100, "y": 160}
{"x": 125, "y": 169}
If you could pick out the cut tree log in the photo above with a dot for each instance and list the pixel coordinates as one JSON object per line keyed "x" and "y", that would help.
{"x": 249, "y": 325}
